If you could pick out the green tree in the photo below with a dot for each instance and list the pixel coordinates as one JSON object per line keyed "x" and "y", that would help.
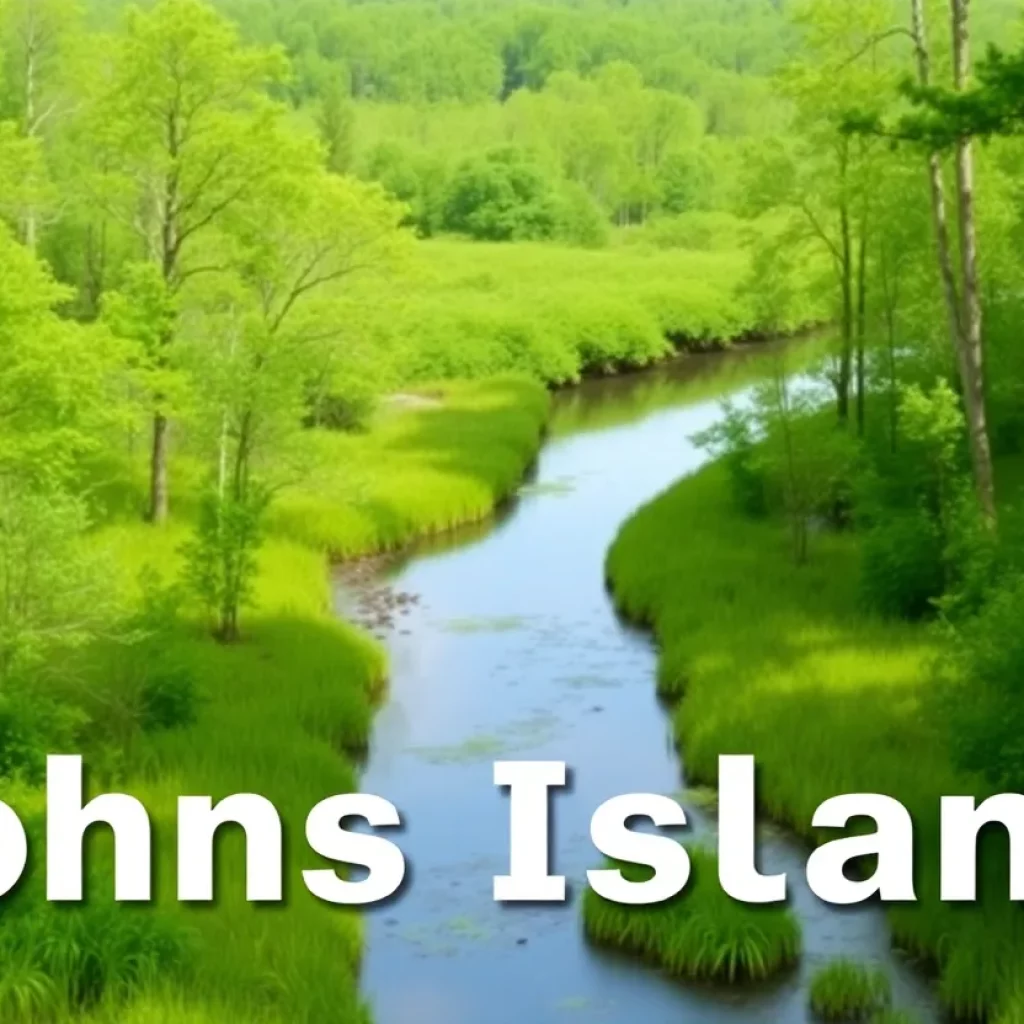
{"x": 183, "y": 133}
{"x": 502, "y": 197}
{"x": 260, "y": 339}
{"x": 336, "y": 122}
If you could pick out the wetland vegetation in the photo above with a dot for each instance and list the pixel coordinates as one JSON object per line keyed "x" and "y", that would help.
{"x": 284, "y": 283}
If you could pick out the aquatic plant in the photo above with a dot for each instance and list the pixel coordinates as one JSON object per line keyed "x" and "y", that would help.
{"x": 700, "y": 934}
{"x": 845, "y": 990}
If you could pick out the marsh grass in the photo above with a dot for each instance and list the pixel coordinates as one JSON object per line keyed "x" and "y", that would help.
{"x": 556, "y": 312}
{"x": 701, "y": 934}
{"x": 284, "y": 713}
{"x": 417, "y": 471}
{"x": 782, "y": 662}
{"x": 848, "y": 991}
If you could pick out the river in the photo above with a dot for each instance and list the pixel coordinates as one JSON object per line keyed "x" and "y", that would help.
{"x": 505, "y": 644}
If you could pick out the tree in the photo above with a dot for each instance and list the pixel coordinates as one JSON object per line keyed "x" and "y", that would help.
{"x": 184, "y": 132}
{"x": 963, "y": 297}
{"x": 278, "y": 326}
{"x": 336, "y": 123}
{"x": 502, "y": 197}
{"x": 829, "y": 179}
{"x": 36, "y": 40}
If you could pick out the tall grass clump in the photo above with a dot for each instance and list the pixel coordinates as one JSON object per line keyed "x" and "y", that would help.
{"x": 754, "y": 646}
{"x": 844, "y": 990}
{"x": 701, "y": 934}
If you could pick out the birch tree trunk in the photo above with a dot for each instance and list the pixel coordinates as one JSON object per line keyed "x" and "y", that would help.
{"x": 963, "y": 312}
{"x": 972, "y": 359}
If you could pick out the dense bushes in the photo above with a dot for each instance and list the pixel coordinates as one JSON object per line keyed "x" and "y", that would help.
{"x": 982, "y": 688}
{"x": 903, "y": 573}
{"x": 555, "y": 312}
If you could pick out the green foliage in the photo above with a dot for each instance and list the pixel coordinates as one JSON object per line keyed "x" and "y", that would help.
{"x": 53, "y": 595}
{"x": 732, "y": 440}
{"x": 502, "y": 197}
{"x": 33, "y": 724}
{"x": 701, "y": 934}
{"x": 286, "y": 712}
{"x": 415, "y": 179}
{"x": 915, "y": 508}
{"x": 753, "y": 645}
{"x": 893, "y": 1017}
{"x": 221, "y": 562}
{"x": 843, "y": 990}
{"x": 981, "y": 679}
{"x": 903, "y": 568}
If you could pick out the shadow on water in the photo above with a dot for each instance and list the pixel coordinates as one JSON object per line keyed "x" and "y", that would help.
{"x": 508, "y": 647}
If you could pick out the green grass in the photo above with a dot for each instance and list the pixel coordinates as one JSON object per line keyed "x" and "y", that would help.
{"x": 890, "y": 1016}
{"x": 754, "y": 648}
{"x": 701, "y": 934}
{"x": 472, "y": 309}
{"x": 417, "y": 471}
{"x": 844, "y": 990}
{"x": 285, "y": 714}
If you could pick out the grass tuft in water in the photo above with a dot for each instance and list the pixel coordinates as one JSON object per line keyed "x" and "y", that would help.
{"x": 889, "y": 1016}
{"x": 701, "y": 934}
{"x": 845, "y": 990}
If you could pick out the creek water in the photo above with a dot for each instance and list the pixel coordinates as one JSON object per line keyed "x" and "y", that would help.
{"x": 505, "y": 644}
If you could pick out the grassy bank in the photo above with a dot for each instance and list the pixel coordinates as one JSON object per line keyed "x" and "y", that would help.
{"x": 440, "y": 457}
{"x": 782, "y": 662}
{"x": 284, "y": 713}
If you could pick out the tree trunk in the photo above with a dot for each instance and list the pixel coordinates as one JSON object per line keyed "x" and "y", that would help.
{"x": 846, "y": 286}
{"x": 964, "y": 317}
{"x": 158, "y": 501}
{"x": 862, "y": 318}
{"x": 972, "y": 356}
{"x": 29, "y": 229}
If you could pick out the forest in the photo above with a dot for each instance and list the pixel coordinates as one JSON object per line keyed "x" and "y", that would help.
{"x": 291, "y": 283}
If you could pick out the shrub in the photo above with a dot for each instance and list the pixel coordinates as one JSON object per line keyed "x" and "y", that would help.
{"x": 578, "y": 219}
{"x": 981, "y": 688}
{"x": 501, "y": 197}
{"x": 32, "y": 725}
{"x": 902, "y": 565}
{"x": 843, "y": 990}
{"x": 220, "y": 560}
{"x": 732, "y": 440}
